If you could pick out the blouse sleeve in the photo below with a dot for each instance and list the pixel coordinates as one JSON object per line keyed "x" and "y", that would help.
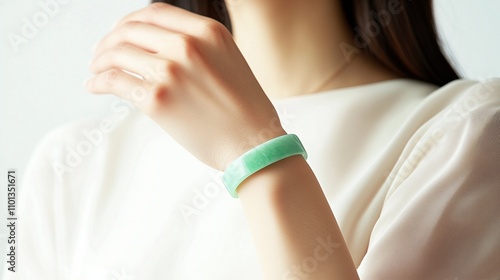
{"x": 441, "y": 215}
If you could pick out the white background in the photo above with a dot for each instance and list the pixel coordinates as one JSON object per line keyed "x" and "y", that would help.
{"x": 41, "y": 80}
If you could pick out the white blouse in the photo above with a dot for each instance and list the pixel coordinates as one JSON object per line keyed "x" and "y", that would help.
{"x": 412, "y": 174}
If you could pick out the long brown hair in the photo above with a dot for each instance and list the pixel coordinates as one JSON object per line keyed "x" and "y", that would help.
{"x": 401, "y": 34}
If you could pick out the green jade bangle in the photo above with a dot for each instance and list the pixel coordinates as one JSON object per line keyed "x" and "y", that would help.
{"x": 260, "y": 157}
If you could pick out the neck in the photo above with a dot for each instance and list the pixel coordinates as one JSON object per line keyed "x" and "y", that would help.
{"x": 293, "y": 47}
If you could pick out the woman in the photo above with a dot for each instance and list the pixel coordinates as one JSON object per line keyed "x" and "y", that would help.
{"x": 409, "y": 169}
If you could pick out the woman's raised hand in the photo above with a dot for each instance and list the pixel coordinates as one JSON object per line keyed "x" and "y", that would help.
{"x": 186, "y": 72}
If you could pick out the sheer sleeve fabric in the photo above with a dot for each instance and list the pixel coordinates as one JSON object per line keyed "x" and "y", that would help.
{"x": 441, "y": 215}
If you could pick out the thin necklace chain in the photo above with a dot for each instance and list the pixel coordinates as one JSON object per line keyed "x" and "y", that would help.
{"x": 334, "y": 75}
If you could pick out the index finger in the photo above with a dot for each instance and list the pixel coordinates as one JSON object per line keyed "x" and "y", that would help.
{"x": 168, "y": 16}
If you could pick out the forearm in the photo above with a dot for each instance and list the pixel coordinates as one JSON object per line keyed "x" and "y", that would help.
{"x": 286, "y": 208}
{"x": 294, "y": 230}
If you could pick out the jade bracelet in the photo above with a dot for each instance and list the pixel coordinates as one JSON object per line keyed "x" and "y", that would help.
{"x": 260, "y": 157}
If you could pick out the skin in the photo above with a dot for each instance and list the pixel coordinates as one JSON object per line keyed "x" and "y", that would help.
{"x": 299, "y": 51}
{"x": 197, "y": 81}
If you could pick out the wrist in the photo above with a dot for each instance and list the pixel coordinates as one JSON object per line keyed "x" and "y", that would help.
{"x": 274, "y": 181}
{"x": 250, "y": 141}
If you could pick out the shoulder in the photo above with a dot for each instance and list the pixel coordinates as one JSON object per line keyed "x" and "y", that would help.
{"x": 81, "y": 143}
{"x": 473, "y": 109}
{"x": 442, "y": 195}
{"x": 461, "y": 131}
{"x": 472, "y": 115}
{"x": 464, "y": 96}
